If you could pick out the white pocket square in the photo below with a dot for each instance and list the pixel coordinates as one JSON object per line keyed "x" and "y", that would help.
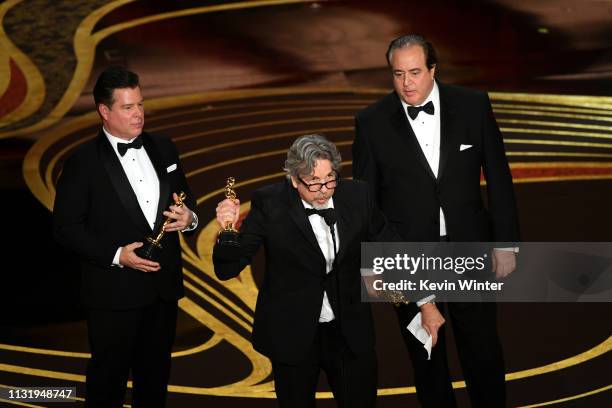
{"x": 464, "y": 147}
{"x": 171, "y": 168}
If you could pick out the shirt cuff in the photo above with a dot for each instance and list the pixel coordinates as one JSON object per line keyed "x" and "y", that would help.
{"x": 116, "y": 258}
{"x": 509, "y": 249}
{"x": 425, "y": 300}
{"x": 369, "y": 272}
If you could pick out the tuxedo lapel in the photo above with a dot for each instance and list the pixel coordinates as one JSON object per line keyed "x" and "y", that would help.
{"x": 447, "y": 122}
{"x": 298, "y": 215}
{"x": 404, "y": 130}
{"x": 162, "y": 176}
{"x": 121, "y": 183}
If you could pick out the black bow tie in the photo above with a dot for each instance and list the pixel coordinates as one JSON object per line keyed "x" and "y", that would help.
{"x": 413, "y": 111}
{"x": 322, "y": 213}
{"x": 328, "y": 214}
{"x": 134, "y": 144}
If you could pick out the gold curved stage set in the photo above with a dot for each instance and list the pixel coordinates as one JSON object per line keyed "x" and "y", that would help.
{"x": 234, "y": 83}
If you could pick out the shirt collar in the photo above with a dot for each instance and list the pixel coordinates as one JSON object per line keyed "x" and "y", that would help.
{"x": 114, "y": 140}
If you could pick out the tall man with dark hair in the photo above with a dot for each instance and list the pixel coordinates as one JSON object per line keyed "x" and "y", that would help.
{"x": 422, "y": 148}
{"x": 311, "y": 226}
{"x": 113, "y": 191}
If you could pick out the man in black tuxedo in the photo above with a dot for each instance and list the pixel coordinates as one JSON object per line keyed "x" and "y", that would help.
{"x": 304, "y": 320}
{"x": 422, "y": 148}
{"x": 113, "y": 191}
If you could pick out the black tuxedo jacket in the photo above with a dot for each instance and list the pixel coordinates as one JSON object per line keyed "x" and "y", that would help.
{"x": 96, "y": 211}
{"x": 387, "y": 155}
{"x": 291, "y": 294}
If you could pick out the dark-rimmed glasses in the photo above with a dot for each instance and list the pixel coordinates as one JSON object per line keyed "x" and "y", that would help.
{"x": 314, "y": 187}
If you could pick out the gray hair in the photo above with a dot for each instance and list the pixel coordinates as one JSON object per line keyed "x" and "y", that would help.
{"x": 306, "y": 150}
{"x": 431, "y": 58}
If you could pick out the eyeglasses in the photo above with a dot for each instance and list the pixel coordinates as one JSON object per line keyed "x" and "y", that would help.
{"x": 314, "y": 187}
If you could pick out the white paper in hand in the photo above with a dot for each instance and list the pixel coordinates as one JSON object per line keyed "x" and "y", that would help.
{"x": 416, "y": 328}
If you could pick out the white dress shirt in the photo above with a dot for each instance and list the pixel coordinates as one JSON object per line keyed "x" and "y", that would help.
{"x": 323, "y": 234}
{"x": 142, "y": 177}
{"x": 427, "y": 130}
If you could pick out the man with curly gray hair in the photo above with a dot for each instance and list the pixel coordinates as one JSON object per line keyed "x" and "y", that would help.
{"x": 304, "y": 155}
{"x": 308, "y": 315}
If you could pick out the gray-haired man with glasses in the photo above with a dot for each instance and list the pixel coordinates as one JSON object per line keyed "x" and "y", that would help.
{"x": 309, "y": 316}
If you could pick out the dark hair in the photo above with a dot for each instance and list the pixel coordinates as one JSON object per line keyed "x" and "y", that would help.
{"x": 112, "y": 78}
{"x": 431, "y": 58}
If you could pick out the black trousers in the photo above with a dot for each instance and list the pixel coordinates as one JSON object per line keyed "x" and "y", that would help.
{"x": 480, "y": 354}
{"x": 351, "y": 377}
{"x": 139, "y": 340}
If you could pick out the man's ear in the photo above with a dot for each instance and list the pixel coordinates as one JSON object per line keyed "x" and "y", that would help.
{"x": 432, "y": 71}
{"x": 294, "y": 182}
{"x": 103, "y": 110}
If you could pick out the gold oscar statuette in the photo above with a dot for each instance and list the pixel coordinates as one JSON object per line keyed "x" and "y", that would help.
{"x": 227, "y": 241}
{"x": 230, "y": 194}
{"x": 152, "y": 245}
